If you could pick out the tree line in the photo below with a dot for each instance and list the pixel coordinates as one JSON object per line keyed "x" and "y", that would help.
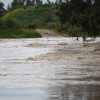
{"x": 81, "y": 13}
{"x": 15, "y": 3}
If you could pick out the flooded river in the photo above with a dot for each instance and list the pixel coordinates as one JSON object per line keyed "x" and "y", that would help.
{"x": 49, "y": 69}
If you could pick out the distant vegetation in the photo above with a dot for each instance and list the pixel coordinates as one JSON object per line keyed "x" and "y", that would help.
{"x": 41, "y": 16}
{"x": 80, "y": 17}
{"x": 16, "y": 21}
{"x": 12, "y": 29}
{"x": 71, "y": 17}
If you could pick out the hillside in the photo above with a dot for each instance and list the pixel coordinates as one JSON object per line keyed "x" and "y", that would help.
{"x": 30, "y": 14}
{"x": 16, "y": 22}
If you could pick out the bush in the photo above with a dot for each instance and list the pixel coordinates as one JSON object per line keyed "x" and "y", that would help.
{"x": 10, "y": 28}
{"x": 11, "y": 23}
{"x": 76, "y": 31}
{"x": 33, "y": 34}
{"x": 1, "y": 22}
{"x": 36, "y": 34}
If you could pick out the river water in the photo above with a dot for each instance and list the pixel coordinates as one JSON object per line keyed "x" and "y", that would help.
{"x": 49, "y": 69}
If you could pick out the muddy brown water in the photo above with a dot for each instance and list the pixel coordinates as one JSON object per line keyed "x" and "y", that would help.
{"x": 49, "y": 71}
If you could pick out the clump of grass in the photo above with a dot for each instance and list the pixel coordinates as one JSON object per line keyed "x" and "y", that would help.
{"x": 36, "y": 34}
{"x": 32, "y": 34}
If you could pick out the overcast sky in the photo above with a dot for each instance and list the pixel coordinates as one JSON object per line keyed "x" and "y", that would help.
{"x": 6, "y": 2}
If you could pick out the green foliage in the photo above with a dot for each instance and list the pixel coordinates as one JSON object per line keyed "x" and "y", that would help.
{"x": 32, "y": 33}
{"x": 38, "y": 15}
{"x": 10, "y": 23}
{"x": 1, "y": 22}
{"x": 13, "y": 11}
{"x": 11, "y": 29}
{"x": 1, "y": 5}
{"x": 18, "y": 33}
{"x": 75, "y": 31}
{"x": 81, "y": 13}
{"x": 47, "y": 16}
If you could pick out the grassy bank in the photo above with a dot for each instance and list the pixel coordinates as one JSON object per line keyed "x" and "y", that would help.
{"x": 10, "y": 28}
{"x": 19, "y": 33}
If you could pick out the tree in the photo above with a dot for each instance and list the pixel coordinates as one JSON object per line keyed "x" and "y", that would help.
{"x": 81, "y": 13}
{"x": 33, "y": 2}
{"x": 18, "y": 2}
{"x": 1, "y": 5}
{"x": 14, "y": 3}
{"x": 48, "y": 2}
{"x": 8, "y": 7}
{"x": 38, "y": 2}
{"x": 2, "y": 10}
{"x": 23, "y": 2}
{"x": 28, "y": 2}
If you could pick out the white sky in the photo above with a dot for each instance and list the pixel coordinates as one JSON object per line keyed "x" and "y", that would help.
{"x": 6, "y": 2}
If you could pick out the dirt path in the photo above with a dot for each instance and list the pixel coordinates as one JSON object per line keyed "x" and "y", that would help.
{"x": 48, "y": 33}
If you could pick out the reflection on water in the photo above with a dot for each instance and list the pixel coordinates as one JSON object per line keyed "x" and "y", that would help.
{"x": 68, "y": 92}
{"x": 72, "y": 92}
{"x": 31, "y": 81}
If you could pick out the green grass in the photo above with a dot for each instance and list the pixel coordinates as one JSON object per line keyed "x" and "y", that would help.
{"x": 19, "y": 33}
{"x": 14, "y": 24}
{"x": 43, "y": 16}
{"x": 31, "y": 14}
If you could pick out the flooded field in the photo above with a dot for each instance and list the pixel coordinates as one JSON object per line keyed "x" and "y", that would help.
{"x": 49, "y": 69}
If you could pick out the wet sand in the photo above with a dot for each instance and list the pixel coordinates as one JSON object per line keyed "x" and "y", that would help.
{"x": 49, "y": 69}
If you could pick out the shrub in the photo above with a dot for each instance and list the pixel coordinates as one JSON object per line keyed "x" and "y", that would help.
{"x": 10, "y": 23}
{"x": 33, "y": 34}
{"x": 1, "y": 22}
{"x": 36, "y": 34}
